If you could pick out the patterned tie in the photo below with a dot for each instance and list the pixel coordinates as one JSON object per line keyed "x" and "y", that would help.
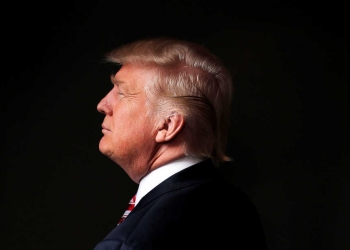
{"x": 128, "y": 210}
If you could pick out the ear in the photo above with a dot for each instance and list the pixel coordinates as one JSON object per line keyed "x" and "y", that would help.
{"x": 170, "y": 127}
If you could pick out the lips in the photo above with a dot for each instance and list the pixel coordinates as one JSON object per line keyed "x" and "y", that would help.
{"x": 104, "y": 127}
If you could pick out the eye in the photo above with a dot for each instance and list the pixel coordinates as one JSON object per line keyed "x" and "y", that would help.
{"x": 117, "y": 90}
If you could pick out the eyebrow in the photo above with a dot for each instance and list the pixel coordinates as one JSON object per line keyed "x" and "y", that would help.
{"x": 117, "y": 82}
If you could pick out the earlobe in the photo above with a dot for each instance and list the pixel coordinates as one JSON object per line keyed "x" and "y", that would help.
{"x": 170, "y": 127}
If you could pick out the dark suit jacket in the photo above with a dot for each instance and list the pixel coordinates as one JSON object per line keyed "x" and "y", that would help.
{"x": 193, "y": 209}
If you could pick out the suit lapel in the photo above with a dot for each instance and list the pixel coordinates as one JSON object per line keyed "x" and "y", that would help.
{"x": 198, "y": 173}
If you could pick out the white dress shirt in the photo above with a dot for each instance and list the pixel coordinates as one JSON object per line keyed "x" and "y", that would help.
{"x": 160, "y": 174}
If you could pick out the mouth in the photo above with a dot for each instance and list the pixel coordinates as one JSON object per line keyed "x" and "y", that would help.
{"x": 104, "y": 128}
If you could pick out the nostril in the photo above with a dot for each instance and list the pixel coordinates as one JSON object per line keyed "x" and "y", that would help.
{"x": 100, "y": 106}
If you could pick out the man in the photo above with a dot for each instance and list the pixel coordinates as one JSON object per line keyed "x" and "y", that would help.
{"x": 165, "y": 124}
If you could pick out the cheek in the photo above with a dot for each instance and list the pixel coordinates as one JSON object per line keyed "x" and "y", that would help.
{"x": 130, "y": 114}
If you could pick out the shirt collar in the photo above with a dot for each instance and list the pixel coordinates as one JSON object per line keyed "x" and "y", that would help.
{"x": 158, "y": 175}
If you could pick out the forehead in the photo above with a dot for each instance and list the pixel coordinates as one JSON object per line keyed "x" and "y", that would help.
{"x": 133, "y": 75}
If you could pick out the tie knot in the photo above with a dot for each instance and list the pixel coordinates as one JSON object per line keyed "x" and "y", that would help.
{"x": 132, "y": 203}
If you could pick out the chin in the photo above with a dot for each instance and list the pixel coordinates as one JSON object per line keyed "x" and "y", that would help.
{"x": 103, "y": 147}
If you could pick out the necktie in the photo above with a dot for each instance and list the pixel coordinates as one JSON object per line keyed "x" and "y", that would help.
{"x": 128, "y": 210}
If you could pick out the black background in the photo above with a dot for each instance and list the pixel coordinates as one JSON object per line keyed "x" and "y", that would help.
{"x": 289, "y": 128}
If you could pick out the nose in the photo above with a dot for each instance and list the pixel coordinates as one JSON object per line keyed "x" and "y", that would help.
{"x": 103, "y": 106}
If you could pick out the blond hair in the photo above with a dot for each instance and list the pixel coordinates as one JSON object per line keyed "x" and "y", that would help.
{"x": 190, "y": 79}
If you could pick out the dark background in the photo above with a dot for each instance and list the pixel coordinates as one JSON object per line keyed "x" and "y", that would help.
{"x": 289, "y": 132}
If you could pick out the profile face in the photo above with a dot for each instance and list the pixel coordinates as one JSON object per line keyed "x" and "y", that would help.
{"x": 128, "y": 133}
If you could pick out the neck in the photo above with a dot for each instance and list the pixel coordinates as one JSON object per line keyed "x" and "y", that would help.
{"x": 165, "y": 154}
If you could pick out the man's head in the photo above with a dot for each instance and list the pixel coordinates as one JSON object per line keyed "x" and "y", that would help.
{"x": 181, "y": 96}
